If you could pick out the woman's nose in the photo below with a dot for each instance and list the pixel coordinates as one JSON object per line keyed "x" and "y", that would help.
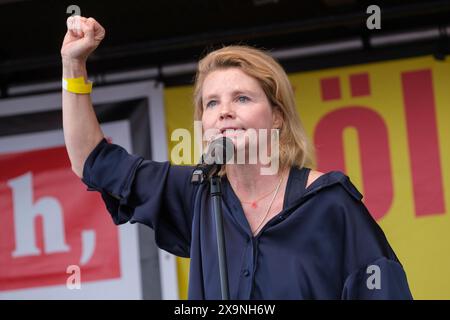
{"x": 226, "y": 112}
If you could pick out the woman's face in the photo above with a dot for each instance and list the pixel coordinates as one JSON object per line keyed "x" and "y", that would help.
{"x": 233, "y": 103}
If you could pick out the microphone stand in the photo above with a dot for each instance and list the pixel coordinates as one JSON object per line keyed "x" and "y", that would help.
{"x": 220, "y": 151}
{"x": 210, "y": 174}
{"x": 216, "y": 196}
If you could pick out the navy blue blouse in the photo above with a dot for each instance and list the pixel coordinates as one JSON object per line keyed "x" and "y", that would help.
{"x": 324, "y": 244}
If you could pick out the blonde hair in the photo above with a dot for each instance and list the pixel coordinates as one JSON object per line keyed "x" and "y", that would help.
{"x": 295, "y": 147}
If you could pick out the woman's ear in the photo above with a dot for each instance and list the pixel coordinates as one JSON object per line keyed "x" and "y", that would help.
{"x": 277, "y": 118}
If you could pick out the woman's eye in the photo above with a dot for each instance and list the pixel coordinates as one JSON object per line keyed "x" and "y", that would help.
{"x": 243, "y": 99}
{"x": 211, "y": 103}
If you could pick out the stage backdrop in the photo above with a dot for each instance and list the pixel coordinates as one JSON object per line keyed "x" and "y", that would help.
{"x": 387, "y": 126}
{"x": 53, "y": 233}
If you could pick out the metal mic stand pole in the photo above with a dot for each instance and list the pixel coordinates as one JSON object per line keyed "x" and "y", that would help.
{"x": 203, "y": 173}
{"x": 216, "y": 196}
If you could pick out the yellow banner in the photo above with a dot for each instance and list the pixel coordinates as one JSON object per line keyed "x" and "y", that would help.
{"x": 387, "y": 126}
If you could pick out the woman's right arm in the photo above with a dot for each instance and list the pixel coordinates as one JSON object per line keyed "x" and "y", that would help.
{"x": 82, "y": 131}
{"x": 133, "y": 189}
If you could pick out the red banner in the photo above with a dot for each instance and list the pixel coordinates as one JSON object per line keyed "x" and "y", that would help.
{"x": 49, "y": 222}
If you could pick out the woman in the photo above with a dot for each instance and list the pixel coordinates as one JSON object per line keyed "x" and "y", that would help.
{"x": 295, "y": 234}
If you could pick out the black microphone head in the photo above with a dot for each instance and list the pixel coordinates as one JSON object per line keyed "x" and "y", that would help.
{"x": 220, "y": 151}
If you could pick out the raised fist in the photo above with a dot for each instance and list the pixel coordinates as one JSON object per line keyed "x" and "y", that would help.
{"x": 82, "y": 38}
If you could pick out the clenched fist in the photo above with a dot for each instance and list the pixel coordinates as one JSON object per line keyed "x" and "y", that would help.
{"x": 82, "y": 38}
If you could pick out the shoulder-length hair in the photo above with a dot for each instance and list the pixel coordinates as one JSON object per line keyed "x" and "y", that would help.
{"x": 295, "y": 148}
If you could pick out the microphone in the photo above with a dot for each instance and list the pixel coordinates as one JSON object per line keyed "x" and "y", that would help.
{"x": 219, "y": 152}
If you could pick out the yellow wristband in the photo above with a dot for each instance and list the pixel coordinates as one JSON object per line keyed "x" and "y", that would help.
{"x": 76, "y": 85}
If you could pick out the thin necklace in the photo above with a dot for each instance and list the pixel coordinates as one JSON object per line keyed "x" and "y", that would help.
{"x": 270, "y": 205}
{"x": 254, "y": 203}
